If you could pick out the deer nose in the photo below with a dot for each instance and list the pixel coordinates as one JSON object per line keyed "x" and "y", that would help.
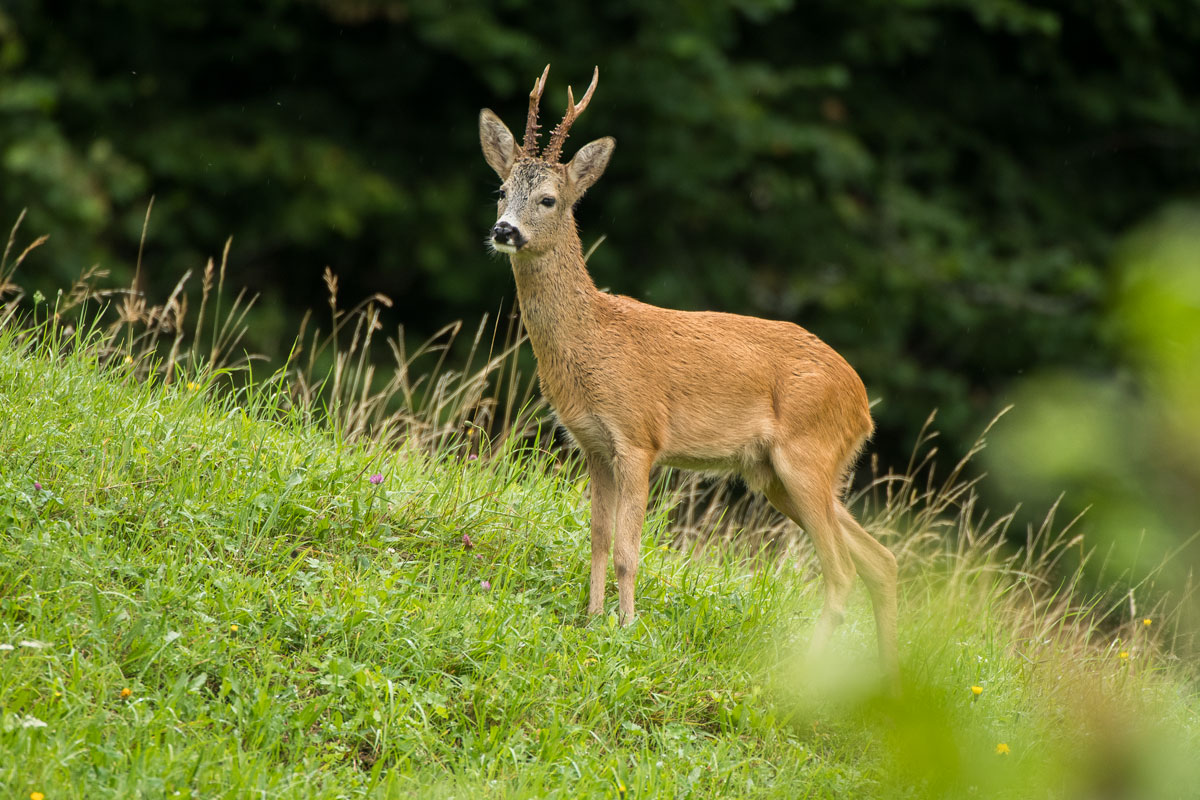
{"x": 504, "y": 233}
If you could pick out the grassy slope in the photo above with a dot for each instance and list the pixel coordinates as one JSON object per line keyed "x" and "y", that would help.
{"x": 368, "y": 658}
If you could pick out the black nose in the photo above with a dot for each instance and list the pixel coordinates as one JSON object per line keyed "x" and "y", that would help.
{"x": 503, "y": 232}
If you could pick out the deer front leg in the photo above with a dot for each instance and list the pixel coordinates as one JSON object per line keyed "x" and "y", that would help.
{"x": 632, "y": 475}
{"x": 603, "y": 501}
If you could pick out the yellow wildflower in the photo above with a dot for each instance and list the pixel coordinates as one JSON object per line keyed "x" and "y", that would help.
{"x": 36, "y": 796}
{"x": 1002, "y": 749}
{"x": 125, "y": 693}
{"x": 128, "y": 359}
{"x": 1147, "y": 622}
{"x": 1123, "y": 655}
{"x": 192, "y": 386}
{"x": 977, "y": 690}
{"x": 233, "y": 628}
{"x": 620, "y": 788}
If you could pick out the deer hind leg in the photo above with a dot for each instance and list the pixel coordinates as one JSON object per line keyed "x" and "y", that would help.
{"x": 877, "y": 566}
{"x": 805, "y": 493}
{"x": 632, "y": 474}
{"x": 603, "y": 507}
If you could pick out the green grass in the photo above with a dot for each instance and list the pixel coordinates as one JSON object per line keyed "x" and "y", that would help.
{"x": 369, "y": 659}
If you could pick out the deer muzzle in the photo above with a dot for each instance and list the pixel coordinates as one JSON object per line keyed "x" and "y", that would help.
{"x": 506, "y": 238}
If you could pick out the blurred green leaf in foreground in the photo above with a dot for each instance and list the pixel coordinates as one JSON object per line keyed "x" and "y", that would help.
{"x": 1128, "y": 445}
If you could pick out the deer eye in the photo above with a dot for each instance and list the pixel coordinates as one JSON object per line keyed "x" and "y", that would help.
{"x": 548, "y": 202}
{"x": 503, "y": 194}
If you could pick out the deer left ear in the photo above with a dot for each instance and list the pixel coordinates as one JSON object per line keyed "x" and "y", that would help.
{"x": 499, "y": 146}
{"x": 589, "y": 163}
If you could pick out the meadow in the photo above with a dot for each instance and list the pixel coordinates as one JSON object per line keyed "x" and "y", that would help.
{"x": 222, "y": 584}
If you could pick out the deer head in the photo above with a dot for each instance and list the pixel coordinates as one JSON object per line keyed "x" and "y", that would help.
{"x": 537, "y": 193}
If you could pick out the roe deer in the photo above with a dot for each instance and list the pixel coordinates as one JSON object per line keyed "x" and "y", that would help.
{"x": 637, "y": 385}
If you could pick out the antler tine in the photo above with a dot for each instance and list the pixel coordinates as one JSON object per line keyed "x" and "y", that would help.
{"x": 529, "y": 144}
{"x": 559, "y": 136}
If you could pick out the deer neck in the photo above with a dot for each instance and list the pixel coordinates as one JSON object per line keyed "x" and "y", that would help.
{"x": 557, "y": 297}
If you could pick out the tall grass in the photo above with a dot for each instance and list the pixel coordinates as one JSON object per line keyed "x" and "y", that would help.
{"x": 343, "y": 377}
{"x": 470, "y": 396}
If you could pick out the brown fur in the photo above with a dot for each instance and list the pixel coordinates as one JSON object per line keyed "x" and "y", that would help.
{"x": 637, "y": 385}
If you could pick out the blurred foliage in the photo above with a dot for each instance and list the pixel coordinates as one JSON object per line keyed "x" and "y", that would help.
{"x": 1128, "y": 444}
{"x": 933, "y": 187}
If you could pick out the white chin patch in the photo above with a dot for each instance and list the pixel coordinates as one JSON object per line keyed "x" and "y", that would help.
{"x": 503, "y": 248}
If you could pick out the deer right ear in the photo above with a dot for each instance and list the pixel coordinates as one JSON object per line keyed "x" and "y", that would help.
{"x": 589, "y": 163}
{"x": 499, "y": 146}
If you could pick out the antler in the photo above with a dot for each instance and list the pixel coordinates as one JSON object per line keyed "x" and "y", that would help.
{"x": 529, "y": 144}
{"x": 554, "y": 149}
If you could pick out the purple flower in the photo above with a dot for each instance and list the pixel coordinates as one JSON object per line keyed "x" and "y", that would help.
{"x": 37, "y": 487}
{"x": 485, "y": 585}
{"x": 472, "y": 457}
{"x": 466, "y": 540}
{"x": 376, "y": 479}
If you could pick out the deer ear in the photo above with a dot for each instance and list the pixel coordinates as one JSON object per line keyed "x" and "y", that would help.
{"x": 499, "y": 146}
{"x": 589, "y": 163}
